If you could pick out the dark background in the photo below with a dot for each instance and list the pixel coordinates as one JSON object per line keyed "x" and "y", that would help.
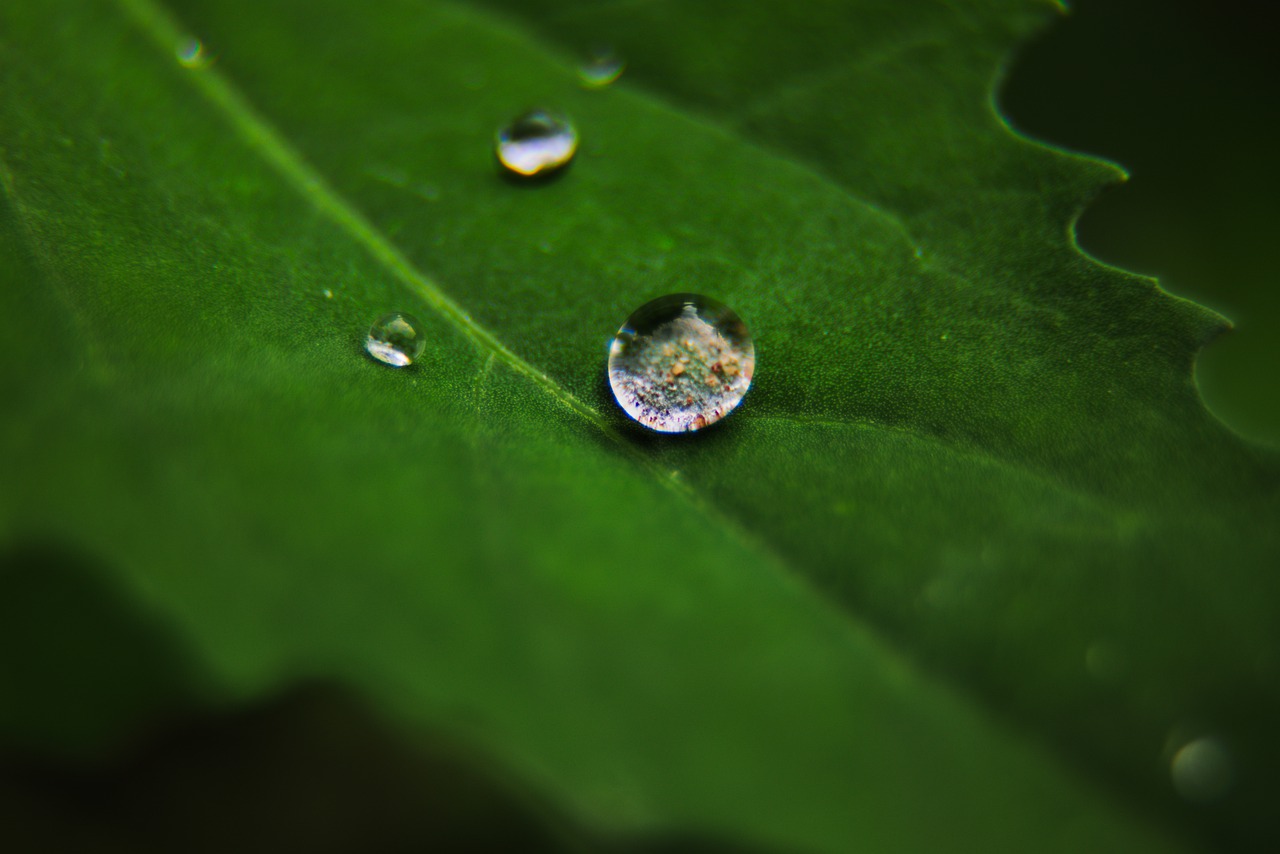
{"x": 1184, "y": 95}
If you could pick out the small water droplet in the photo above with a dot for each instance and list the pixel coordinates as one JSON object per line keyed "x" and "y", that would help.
{"x": 328, "y": 294}
{"x": 601, "y": 67}
{"x": 395, "y": 340}
{"x": 537, "y": 142}
{"x": 681, "y": 362}
{"x": 192, "y": 54}
{"x": 1202, "y": 770}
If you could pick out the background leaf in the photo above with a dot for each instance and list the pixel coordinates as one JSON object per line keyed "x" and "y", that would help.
{"x": 861, "y": 614}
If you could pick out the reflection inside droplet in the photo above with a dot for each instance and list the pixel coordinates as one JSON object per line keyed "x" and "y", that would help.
{"x": 191, "y": 53}
{"x": 537, "y": 142}
{"x": 601, "y": 67}
{"x": 681, "y": 362}
{"x": 1202, "y": 770}
{"x": 396, "y": 340}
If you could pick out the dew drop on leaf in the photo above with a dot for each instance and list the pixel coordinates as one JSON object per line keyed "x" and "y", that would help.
{"x": 537, "y": 142}
{"x": 601, "y": 67}
{"x": 191, "y": 53}
{"x": 681, "y": 362}
{"x": 395, "y": 340}
{"x": 1202, "y": 770}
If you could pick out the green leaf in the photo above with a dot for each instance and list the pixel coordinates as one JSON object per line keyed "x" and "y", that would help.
{"x": 968, "y": 565}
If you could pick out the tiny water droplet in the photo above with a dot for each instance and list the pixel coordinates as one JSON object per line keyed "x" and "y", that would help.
{"x": 681, "y": 362}
{"x": 395, "y": 340}
{"x": 664, "y": 242}
{"x": 601, "y": 67}
{"x": 537, "y": 142}
{"x": 328, "y": 294}
{"x": 191, "y": 54}
{"x": 1202, "y": 770}
{"x": 388, "y": 175}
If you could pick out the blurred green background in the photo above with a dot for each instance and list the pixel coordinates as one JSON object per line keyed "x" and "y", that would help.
{"x": 1183, "y": 94}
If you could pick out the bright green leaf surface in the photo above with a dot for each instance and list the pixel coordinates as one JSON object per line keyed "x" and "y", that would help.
{"x": 858, "y": 615}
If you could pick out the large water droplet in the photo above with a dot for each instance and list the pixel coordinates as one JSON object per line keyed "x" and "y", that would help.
{"x": 602, "y": 67}
{"x": 396, "y": 340}
{"x": 681, "y": 362}
{"x": 536, "y": 143}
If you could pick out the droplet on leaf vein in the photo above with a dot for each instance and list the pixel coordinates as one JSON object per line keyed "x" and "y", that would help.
{"x": 396, "y": 340}
{"x": 681, "y": 363}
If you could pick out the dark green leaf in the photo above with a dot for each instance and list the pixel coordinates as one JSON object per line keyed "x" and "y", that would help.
{"x": 858, "y": 615}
